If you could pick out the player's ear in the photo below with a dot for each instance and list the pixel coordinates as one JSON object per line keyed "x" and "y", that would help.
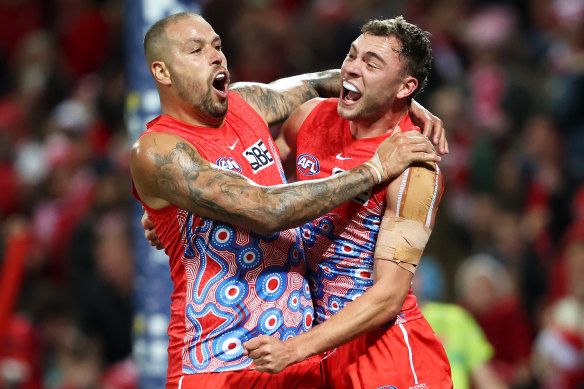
{"x": 408, "y": 86}
{"x": 160, "y": 72}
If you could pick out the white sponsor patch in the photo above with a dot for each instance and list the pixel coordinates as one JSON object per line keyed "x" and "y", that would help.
{"x": 258, "y": 156}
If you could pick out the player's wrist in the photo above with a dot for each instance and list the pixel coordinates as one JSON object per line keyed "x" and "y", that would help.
{"x": 375, "y": 165}
{"x": 297, "y": 350}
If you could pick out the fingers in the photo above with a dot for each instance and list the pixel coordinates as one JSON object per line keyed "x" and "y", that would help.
{"x": 415, "y": 142}
{"x": 425, "y": 157}
{"x": 435, "y": 129}
{"x": 146, "y": 222}
{"x": 252, "y": 345}
{"x": 257, "y": 347}
{"x": 432, "y": 126}
{"x": 266, "y": 356}
{"x": 443, "y": 145}
{"x": 149, "y": 231}
{"x": 152, "y": 238}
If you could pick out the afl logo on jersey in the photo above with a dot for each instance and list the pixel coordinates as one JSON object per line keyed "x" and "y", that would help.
{"x": 228, "y": 163}
{"x": 307, "y": 165}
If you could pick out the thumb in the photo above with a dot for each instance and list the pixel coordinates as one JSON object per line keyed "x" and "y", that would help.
{"x": 251, "y": 344}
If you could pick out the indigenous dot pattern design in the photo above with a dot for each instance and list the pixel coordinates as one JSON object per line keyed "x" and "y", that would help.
{"x": 340, "y": 259}
{"x": 240, "y": 285}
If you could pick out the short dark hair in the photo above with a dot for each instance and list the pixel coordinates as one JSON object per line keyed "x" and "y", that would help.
{"x": 415, "y": 43}
{"x": 156, "y": 31}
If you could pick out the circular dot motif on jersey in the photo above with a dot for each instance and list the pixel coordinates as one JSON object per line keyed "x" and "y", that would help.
{"x": 289, "y": 333}
{"x": 335, "y": 304}
{"x": 327, "y": 270}
{"x": 306, "y": 289}
{"x": 346, "y": 248}
{"x": 271, "y": 284}
{"x": 231, "y": 292}
{"x": 326, "y": 227}
{"x": 222, "y": 237}
{"x": 294, "y": 255}
{"x": 270, "y": 321}
{"x": 228, "y": 346}
{"x": 363, "y": 274}
{"x": 362, "y": 277}
{"x": 294, "y": 301}
{"x": 308, "y": 235}
{"x": 249, "y": 257}
{"x": 308, "y": 318}
{"x": 353, "y": 294}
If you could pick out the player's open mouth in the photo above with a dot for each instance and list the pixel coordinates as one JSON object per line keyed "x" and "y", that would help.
{"x": 350, "y": 93}
{"x": 221, "y": 84}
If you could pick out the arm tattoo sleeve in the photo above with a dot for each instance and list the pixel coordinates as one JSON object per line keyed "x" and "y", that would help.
{"x": 187, "y": 180}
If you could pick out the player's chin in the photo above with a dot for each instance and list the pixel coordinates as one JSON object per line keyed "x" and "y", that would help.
{"x": 219, "y": 109}
{"x": 347, "y": 112}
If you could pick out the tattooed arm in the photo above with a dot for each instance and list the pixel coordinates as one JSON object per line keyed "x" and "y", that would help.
{"x": 168, "y": 170}
{"x": 276, "y": 101}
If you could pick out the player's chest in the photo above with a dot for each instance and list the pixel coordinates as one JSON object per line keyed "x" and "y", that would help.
{"x": 251, "y": 155}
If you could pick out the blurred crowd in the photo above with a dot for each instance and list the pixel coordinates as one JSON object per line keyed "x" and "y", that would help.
{"x": 508, "y": 246}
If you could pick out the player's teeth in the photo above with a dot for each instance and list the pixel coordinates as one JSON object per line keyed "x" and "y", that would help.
{"x": 350, "y": 87}
{"x": 220, "y": 76}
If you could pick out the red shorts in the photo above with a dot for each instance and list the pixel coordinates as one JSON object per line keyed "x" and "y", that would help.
{"x": 404, "y": 356}
{"x": 303, "y": 375}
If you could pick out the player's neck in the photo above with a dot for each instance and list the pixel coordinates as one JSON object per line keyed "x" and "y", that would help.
{"x": 362, "y": 128}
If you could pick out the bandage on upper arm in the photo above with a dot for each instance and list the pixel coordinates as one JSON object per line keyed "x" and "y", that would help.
{"x": 403, "y": 236}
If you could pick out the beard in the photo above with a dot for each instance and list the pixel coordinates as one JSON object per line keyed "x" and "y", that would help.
{"x": 201, "y": 97}
{"x": 365, "y": 108}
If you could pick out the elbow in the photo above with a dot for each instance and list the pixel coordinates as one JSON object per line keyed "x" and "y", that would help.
{"x": 387, "y": 309}
{"x": 389, "y": 304}
{"x": 393, "y": 310}
{"x": 388, "y": 313}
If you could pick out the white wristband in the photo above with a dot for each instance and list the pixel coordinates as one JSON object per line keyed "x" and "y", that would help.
{"x": 379, "y": 179}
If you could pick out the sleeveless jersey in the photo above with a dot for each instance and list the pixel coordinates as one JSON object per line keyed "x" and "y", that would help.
{"x": 340, "y": 245}
{"x": 230, "y": 284}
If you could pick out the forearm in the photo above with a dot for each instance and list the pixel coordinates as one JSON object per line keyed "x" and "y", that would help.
{"x": 277, "y": 100}
{"x": 267, "y": 209}
{"x": 368, "y": 312}
{"x": 325, "y": 83}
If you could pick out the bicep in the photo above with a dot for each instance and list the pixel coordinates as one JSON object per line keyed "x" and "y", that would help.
{"x": 166, "y": 169}
{"x": 412, "y": 201}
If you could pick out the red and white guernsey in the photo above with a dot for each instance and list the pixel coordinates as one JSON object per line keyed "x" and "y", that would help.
{"x": 339, "y": 246}
{"x": 230, "y": 284}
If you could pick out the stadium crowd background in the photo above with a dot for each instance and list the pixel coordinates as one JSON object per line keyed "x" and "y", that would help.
{"x": 507, "y": 79}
